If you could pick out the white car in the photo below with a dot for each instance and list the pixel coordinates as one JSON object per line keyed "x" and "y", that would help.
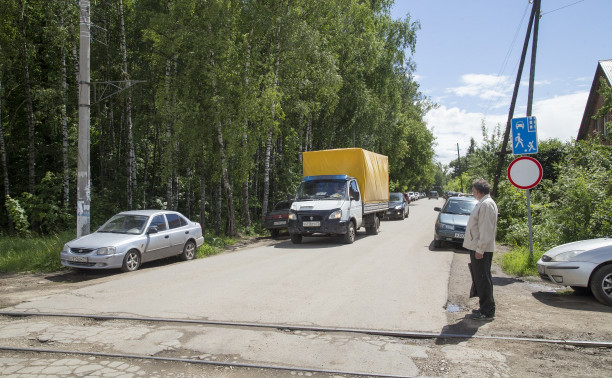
{"x": 131, "y": 238}
{"x": 582, "y": 264}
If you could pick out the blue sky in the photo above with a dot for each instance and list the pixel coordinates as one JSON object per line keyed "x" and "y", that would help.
{"x": 467, "y": 56}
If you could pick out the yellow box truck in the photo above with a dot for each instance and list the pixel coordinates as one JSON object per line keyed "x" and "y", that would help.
{"x": 342, "y": 190}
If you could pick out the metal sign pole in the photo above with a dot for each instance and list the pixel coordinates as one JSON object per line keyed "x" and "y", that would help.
{"x": 529, "y": 224}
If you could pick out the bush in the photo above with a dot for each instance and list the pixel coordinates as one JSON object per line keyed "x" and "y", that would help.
{"x": 518, "y": 262}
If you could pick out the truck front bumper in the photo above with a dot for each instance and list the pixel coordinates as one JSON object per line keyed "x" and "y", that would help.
{"x": 316, "y": 223}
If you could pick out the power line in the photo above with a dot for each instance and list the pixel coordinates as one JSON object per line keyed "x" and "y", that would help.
{"x": 563, "y": 7}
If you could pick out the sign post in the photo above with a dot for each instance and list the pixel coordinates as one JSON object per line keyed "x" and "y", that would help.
{"x": 525, "y": 173}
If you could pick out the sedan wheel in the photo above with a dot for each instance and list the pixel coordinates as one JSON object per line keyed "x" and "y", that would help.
{"x": 188, "y": 251}
{"x": 131, "y": 261}
{"x": 601, "y": 284}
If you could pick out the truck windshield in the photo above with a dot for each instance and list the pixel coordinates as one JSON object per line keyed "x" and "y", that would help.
{"x": 333, "y": 190}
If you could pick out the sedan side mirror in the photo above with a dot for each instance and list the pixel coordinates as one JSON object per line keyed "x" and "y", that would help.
{"x": 437, "y": 209}
{"x": 152, "y": 230}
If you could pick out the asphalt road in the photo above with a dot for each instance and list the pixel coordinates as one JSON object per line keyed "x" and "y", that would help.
{"x": 390, "y": 281}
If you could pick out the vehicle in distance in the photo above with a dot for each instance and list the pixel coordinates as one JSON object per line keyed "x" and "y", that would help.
{"x": 433, "y": 194}
{"x": 276, "y": 220}
{"x": 398, "y": 206}
{"x": 582, "y": 265}
{"x": 452, "y": 220}
{"x": 131, "y": 238}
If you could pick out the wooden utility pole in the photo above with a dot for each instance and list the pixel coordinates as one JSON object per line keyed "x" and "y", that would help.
{"x": 83, "y": 170}
{"x": 535, "y": 15}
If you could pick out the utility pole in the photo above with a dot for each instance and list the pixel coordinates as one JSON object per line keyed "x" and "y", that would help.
{"x": 504, "y": 151}
{"x": 83, "y": 169}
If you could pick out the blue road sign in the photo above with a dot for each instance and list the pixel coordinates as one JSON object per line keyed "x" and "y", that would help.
{"x": 524, "y": 136}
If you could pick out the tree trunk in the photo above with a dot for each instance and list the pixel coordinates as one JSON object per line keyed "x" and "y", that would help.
{"x": 269, "y": 141}
{"x": 203, "y": 194}
{"x": 131, "y": 169}
{"x": 245, "y": 143}
{"x": 66, "y": 180}
{"x": 219, "y": 200}
{"x": 168, "y": 163}
{"x": 230, "y": 229}
{"x": 7, "y": 191}
{"x": 29, "y": 108}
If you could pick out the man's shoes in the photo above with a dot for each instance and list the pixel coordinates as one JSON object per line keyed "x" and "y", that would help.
{"x": 482, "y": 317}
{"x": 476, "y": 312}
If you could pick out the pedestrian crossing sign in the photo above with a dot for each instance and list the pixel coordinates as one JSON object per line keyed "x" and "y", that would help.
{"x": 524, "y": 136}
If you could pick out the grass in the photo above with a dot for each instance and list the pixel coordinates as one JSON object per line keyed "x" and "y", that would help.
{"x": 38, "y": 254}
{"x": 519, "y": 263}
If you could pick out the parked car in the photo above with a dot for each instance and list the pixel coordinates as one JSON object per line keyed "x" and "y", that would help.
{"x": 398, "y": 206}
{"x": 433, "y": 194}
{"x": 582, "y": 265}
{"x": 276, "y": 220}
{"x": 452, "y": 220}
{"x": 131, "y": 238}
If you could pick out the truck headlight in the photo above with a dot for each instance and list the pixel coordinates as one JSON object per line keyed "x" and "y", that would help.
{"x": 292, "y": 216}
{"x": 336, "y": 214}
{"x": 106, "y": 251}
{"x": 398, "y": 207}
{"x": 444, "y": 226}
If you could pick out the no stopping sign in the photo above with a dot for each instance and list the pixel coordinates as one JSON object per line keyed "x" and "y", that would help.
{"x": 525, "y": 172}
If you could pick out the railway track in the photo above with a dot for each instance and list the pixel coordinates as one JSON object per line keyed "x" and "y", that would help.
{"x": 122, "y": 338}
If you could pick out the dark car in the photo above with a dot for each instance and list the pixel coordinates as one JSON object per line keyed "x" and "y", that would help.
{"x": 276, "y": 220}
{"x": 452, "y": 220}
{"x": 398, "y": 206}
{"x": 433, "y": 194}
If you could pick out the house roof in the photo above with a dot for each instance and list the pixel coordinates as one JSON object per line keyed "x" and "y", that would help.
{"x": 604, "y": 69}
{"x": 606, "y": 66}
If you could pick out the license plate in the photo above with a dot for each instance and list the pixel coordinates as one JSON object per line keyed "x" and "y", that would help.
{"x": 312, "y": 224}
{"x": 280, "y": 223}
{"x": 77, "y": 258}
{"x": 459, "y": 236}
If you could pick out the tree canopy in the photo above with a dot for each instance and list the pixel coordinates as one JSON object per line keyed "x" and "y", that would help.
{"x": 201, "y": 106}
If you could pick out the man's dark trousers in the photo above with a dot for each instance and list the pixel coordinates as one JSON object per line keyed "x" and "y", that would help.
{"x": 481, "y": 277}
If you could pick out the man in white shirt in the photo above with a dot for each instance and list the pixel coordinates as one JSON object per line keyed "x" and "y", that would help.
{"x": 479, "y": 239}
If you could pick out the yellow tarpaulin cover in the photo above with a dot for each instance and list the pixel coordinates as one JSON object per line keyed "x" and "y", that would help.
{"x": 370, "y": 169}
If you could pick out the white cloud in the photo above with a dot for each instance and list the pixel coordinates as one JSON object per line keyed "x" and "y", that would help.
{"x": 558, "y": 117}
{"x": 486, "y": 87}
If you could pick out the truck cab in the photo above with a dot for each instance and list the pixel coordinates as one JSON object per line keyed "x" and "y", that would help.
{"x": 327, "y": 204}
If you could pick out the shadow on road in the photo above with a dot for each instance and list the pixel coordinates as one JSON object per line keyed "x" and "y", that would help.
{"x": 453, "y": 334}
{"x": 571, "y": 301}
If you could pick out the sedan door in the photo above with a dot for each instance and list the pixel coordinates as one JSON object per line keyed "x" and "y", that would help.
{"x": 159, "y": 242}
{"x": 179, "y": 233}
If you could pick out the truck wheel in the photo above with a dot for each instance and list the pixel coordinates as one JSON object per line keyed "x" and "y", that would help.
{"x": 349, "y": 237}
{"x": 601, "y": 284}
{"x": 373, "y": 230}
{"x": 296, "y": 238}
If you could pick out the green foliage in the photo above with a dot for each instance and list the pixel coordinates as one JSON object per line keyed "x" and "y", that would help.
{"x": 18, "y": 215}
{"x": 38, "y": 254}
{"x": 519, "y": 262}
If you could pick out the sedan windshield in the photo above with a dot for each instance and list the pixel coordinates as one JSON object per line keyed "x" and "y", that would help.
{"x": 459, "y": 207}
{"x": 125, "y": 224}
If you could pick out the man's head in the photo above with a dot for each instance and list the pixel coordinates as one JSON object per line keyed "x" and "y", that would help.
{"x": 480, "y": 188}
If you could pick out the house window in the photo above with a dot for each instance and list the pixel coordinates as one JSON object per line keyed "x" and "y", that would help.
{"x": 606, "y": 123}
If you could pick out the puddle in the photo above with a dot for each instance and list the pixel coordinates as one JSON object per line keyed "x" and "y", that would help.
{"x": 453, "y": 308}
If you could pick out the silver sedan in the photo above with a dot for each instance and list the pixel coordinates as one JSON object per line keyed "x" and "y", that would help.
{"x": 585, "y": 264}
{"x": 131, "y": 238}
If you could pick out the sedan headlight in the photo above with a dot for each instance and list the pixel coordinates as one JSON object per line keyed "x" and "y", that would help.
{"x": 444, "y": 226}
{"x": 292, "y": 216}
{"x": 106, "y": 251}
{"x": 566, "y": 256}
{"x": 398, "y": 207}
{"x": 336, "y": 214}
{"x": 66, "y": 248}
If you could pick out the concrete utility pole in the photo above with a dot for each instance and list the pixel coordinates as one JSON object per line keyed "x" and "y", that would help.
{"x": 83, "y": 170}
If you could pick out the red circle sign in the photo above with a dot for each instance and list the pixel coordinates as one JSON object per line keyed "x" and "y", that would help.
{"x": 525, "y": 172}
